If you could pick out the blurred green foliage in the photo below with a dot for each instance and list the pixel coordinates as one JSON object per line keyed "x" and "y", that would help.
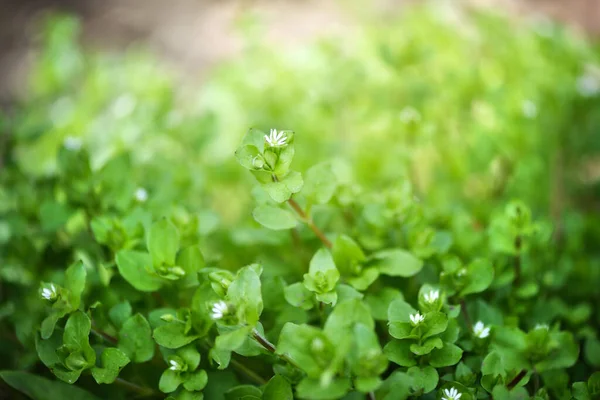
{"x": 120, "y": 193}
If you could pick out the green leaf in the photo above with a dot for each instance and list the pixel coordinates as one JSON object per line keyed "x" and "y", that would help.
{"x": 594, "y": 384}
{"x": 580, "y": 391}
{"x": 133, "y": 267}
{"x": 299, "y": 296}
{"x": 113, "y": 360}
{"x": 400, "y": 311}
{"x": 448, "y": 355}
{"x": 75, "y": 282}
{"x": 312, "y": 389}
{"x": 243, "y": 392}
{"x": 190, "y": 355}
{"x": 493, "y": 365}
{"x": 278, "y": 388}
{"x": 346, "y": 293}
{"x": 397, "y": 262}
{"x": 398, "y": 351}
{"x": 49, "y": 323}
{"x": 396, "y": 387}
{"x": 192, "y": 261}
{"x": 282, "y": 190}
{"x": 120, "y": 313}
{"x": 256, "y": 138}
{"x": 163, "y": 242}
{"x": 564, "y": 356}
{"x": 221, "y": 357}
{"x": 245, "y": 293}
{"x": 172, "y": 335}
{"x": 366, "y": 277}
{"x": 77, "y": 336}
{"x": 320, "y": 183}
{"x": 249, "y": 157}
{"x": 427, "y": 346}
{"x": 232, "y": 340}
{"x": 274, "y": 218}
{"x": 347, "y": 254}
{"x": 327, "y": 298}
{"x": 435, "y": 323}
{"x": 480, "y": 275}
{"x": 135, "y": 339}
{"x": 592, "y": 352}
{"x": 367, "y": 384}
{"x": 345, "y": 316}
{"x": 170, "y": 381}
{"x": 294, "y": 341}
{"x": 197, "y": 380}
{"x": 423, "y": 378}
{"x": 39, "y": 388}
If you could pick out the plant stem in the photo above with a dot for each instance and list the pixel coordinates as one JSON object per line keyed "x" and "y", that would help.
{"x": 270, "y": 347}
{"x": 141, "y": 390}
{"x": 206, "y": 344}
{"x": 310, "y": 223}
{"x": 248, "y": 372}
{"x": 371, "y": 396}
{"x": 465, "y": 313}
{"x": 517, "y": 379}
{"x": 518, "y": 246}
{"x": 105, "y": 336}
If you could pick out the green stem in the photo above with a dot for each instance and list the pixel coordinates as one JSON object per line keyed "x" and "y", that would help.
{"x": 104, "y": 336}
{"x": 238, "y": 365}
{"x": 141, "y": 390}
{"x": 248, "y": 372}
{"x": 465, "y": 313}
{"x": 270, "y": 347}
{"x": 310, "y": 223}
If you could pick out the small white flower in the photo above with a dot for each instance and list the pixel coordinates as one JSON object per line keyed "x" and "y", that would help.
{"x": 72, "y": 143}
{"x": 432, "y": 296}
{"x": 174, "y": 365}
{"x": 416, "y": 319}
{"x": 49, "y": 293}
{"x": 451, "y": 394}
{"x": 541, "y": 326}
{"x": 141, "y": 194}
{"x": 480, "y": 330}
{"x": 276, "y": 139}
{"x": 219, "y": 310}
{"x": 529, "y": 109}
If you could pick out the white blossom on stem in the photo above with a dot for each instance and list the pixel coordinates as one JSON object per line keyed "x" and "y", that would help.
{"x": 432, "y": 296}
{"x": 416, "y": 319}
{"x": 276, "y": 139}
{"x": 451, "y": 394}
{"x": 219, "y": 310}
{"x": 480, "y": 330}
{"x": 49, "y": 293}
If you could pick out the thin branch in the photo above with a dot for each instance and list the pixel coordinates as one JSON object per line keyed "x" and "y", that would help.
{"x": 518, "y": 247}
{"x": 517, "y": 379}
{"x": 248, "y": 372}
{"x": 270, "y": 347}
{"x": 309, "y": 222}
{"x": 141, "y": 390}
{"x": 465, "y": 313}
{"x": 207, "y": 344}
{"x": 104, "y": 336}
{"x": 371, "y": 396}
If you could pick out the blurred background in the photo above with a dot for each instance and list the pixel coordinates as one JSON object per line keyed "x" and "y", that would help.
{"x": 194, "y": 35}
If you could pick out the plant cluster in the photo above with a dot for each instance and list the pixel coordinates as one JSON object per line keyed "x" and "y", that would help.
{"x": 139, "y": 261}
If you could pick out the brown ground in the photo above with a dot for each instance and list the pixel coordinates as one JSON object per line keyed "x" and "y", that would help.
{"x": 195, "y": 34}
